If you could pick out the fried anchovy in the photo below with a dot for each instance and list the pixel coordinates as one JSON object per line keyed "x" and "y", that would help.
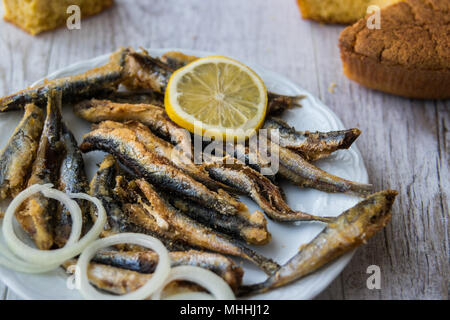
{"x": 146, "y": 72}
{"x": 166, "y": 150}
{"x": 124, "y": 145}
{"x": 276, "y": 104}
{"x": 311, "y": 145}
{"x": 36, "y": 214}
{"x": 146, "y": 262}
{"x": 252, "y": 158}
{"x": 132, "y": 97}
{"x": 195, "y": 233}
{"x": 74, "y": 88}
{"x": 152, "y": 116}
{"x": 176, "y": 59}
{"x": 16, "y": 159}
{"x": 121, "y": 281}
{"x": 120, "y": 217}
{"x": 304, "y": 174}
{"x": 252, "y": 229}
{"x": 351, "y": 229}
{"x": 72, "y": 179}
{"x": 259, "y": 188}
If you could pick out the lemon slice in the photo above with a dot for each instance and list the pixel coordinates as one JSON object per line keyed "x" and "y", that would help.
{"x": 219, "y": 96}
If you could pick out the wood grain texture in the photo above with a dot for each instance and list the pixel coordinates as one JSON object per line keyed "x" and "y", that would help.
{"x": 404, "y": 142}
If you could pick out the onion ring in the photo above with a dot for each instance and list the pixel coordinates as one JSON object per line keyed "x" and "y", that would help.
{"x": 154, "y": 283}
{"x": 35, "y": 260}
{"x": 205, "y": 278}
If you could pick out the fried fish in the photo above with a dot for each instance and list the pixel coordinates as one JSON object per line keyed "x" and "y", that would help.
{"x": 298, "y": 170}
{"x": 146, "y": 262}
{"x": 167, "y": 151}
{"x": 259, "y": 188}
{"x": 122, "y": 216}
{"x": 124, "y": 145}
{"x": 72, "y": 179}
{"x": 311, "y": 145}
{"x": 152, "y": 116}
{"x": 36, "y": 214}
{"x": 121, "y": 281}
{"x": 16, "y": 159}
{"x": 251, "y": 229}
{"x": 276, "y": 103}
{"x": 195, "y": 233}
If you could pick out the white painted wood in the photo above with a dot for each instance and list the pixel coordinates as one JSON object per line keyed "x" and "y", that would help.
{"x": 404, "y": 142}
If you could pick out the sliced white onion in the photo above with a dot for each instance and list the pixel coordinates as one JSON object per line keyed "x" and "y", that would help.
{"x": 24, "y": 251}
{"x": 205, "y": 278}
{"x": 154, "y": 283}
{"x": 191, "y": 296}
{"x": 35, "y": 260}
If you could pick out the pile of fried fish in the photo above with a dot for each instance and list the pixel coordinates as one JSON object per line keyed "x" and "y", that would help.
{"x": 149, "y": 182}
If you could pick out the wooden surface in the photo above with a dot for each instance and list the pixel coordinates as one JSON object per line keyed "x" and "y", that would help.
{"x": 404, "y": 142}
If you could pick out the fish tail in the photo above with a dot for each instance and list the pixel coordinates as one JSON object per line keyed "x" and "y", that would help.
{"x": 349, "y": 137}
{"x": 266, "y": 264}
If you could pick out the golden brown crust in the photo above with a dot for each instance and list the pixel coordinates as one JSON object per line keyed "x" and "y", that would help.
{"x": 38, "y": 16}
{"x": 409, "y": 56}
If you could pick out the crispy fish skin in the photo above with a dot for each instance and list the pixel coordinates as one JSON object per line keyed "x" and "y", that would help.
{"x": 259, "y": 188}
{"x": 252, "y": 158}
{"x": 121, "y": 216}
{"x": 124, "y": 145}
{"x": 16, "y": 159}
{"x": 151, "y": 115}
{"x": 121, "y": 281}
{"x": 311, "y": 145}
{"x": 177, "y": 59}
{"x": 296, "y": 169}
{"x": 36, "y": 214}
{"x": 146, "y": 72}
{"x": 166, "y": 150}
{"x": 198, "y": 235}
{"x": 146, "y": 262}
{"x": 74, "y": 88}
{"x": 252, "y": 230}
{"x": 351, "y": 229}
{"x": 72, "y": 179}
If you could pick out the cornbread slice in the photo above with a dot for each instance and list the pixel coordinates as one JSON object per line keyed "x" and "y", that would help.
{"x": 338, "y": 11}
{"x": 36, "y": 16}
{"x": 409, "y": 56}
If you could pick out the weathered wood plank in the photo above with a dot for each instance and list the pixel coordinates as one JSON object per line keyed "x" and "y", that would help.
{"x": 404, "y": 142}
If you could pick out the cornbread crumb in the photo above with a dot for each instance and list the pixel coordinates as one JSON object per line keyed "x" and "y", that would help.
{"x": 36, "y": 16}
{"x": 331, "y": 87}
{"x": 338, "y": 11}
{"x": 409, "y": 56}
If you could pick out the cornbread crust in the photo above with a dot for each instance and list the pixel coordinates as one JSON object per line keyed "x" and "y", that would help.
{"x": 338, "y": 11}
{"x": 36, "y": 16}
{"x": 409, "y": 56}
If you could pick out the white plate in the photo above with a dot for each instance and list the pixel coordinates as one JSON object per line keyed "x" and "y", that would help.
{"x": 314, "y": 115}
